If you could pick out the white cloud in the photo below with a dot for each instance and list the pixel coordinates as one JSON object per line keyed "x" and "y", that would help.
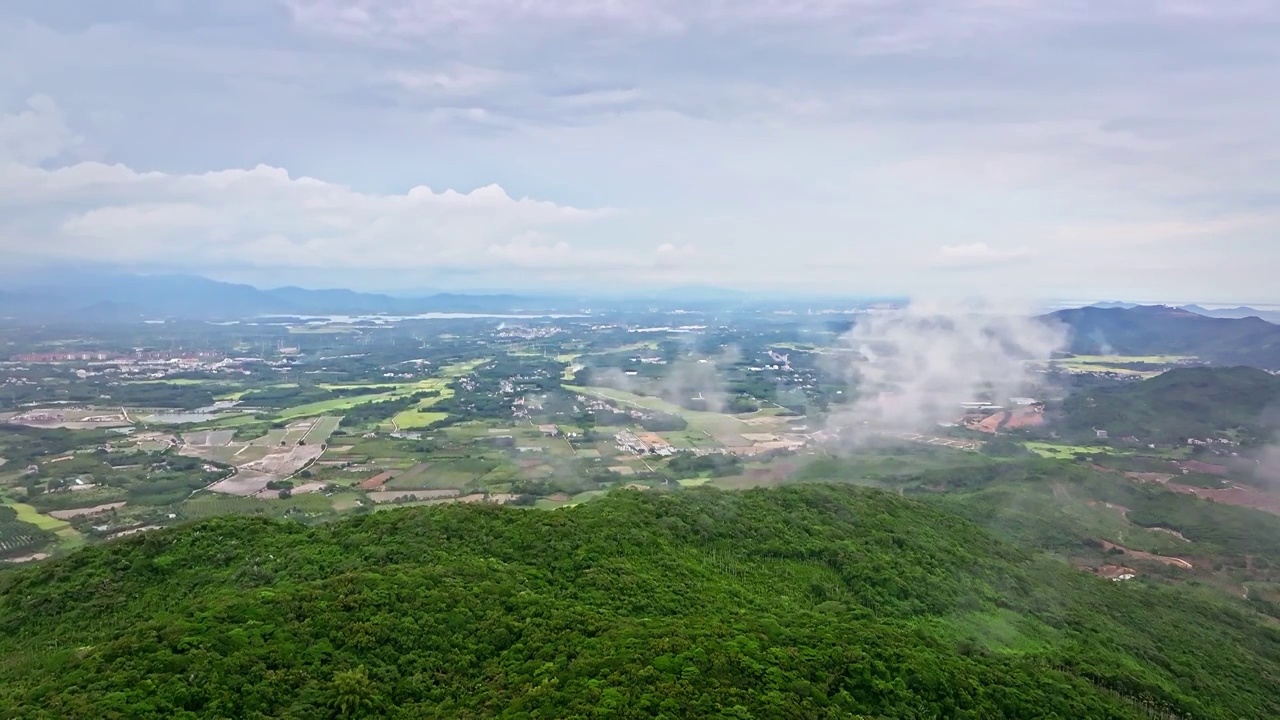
{"x": 457, "y": 79}
{"x": 840, "y": 143}
{"x": 532, "y": 249}
{"x": 259, "y": 216}
{"x": 672, "y": 253}
{"x": 977, "y": 254}
{"x": 35, "y": 134}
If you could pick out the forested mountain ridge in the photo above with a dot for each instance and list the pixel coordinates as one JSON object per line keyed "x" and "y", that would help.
{"x": 1196, "y": 402}
{"x": 811, "y": 601}
{"x": 1160, "y": 330}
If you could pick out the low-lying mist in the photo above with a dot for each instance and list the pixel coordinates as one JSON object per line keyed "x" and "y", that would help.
{"x": 914, "y": 367}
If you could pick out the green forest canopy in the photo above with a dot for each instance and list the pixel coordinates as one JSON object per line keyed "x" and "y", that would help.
{"x": 1182, "y": 403}
{"x": 809, "y": 601}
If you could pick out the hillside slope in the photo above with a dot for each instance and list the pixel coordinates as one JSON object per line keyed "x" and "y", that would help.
{"x": 814, "y": 601}
{"x": 1159, "y": 330}
{"x": 1182, "y": 403}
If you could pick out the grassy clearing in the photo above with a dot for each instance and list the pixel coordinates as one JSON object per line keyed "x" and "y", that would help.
{"x": 1131, "y": 359}
{"x": 694, "y": 482}
{"x": 178, "y": 381}
{"x": 1068, "y": 452}
{"x": 417, "y": 419}
{"x": 726, "y": 429}
{"x": 462, "y": 368}
{"x": 210, "y": 505}
{"x": 273, "y": 437}
{"x": 69, "y": 538}
{"x": 323, "y": 428}
{"x": 336, "y": 405}
{"x": 1119, "y": 364}
{"x": 422, "y": 416}
{"x": 28, "y": 514}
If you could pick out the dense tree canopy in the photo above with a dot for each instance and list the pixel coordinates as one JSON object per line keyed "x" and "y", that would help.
{"x": 810, "y": 601}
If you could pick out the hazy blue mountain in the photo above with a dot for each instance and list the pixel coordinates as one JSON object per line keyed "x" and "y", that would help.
{"x": 1162, "y": 330}
{"x": 1270, "y": 316}
{"x": 122, "y": 297}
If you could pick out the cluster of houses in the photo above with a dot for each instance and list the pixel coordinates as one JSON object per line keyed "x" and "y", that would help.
{"x": 644, "y": 443}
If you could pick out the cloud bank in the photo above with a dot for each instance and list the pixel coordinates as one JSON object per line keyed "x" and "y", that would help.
{"x": 1074, "y": 148}
{"x": 920, "y": 363}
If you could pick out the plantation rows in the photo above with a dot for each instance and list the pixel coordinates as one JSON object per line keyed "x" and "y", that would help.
{"x": 18, "y": 537}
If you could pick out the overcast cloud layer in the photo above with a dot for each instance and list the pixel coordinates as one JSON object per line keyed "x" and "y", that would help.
{"x": 1060, "y": 148}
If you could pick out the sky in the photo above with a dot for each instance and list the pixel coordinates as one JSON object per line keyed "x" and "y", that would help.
{"x": 1093, "y": 149}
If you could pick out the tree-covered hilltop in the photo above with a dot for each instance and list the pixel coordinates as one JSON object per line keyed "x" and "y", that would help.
{"x": 1182, "y": 403}
{"x": 1160, "y": 330}
{"x": 809, "y": 601}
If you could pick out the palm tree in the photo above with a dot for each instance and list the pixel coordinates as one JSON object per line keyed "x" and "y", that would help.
{"x": 354, "y": 694}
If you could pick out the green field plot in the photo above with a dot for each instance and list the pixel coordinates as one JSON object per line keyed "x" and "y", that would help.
{"x": 69, "y": 538}
{"x": 181, "y": 382}
{"x": 694, "y": 482}
{"x": 444, "y": 474}
{"x": 691, "y": 439}
{"x": 1120, "y": 364}
{"x": 1068, "y": 452}
{"x": 273, "y": 437}
{"x": 725, "y": 429}
{"x": 233, "y": 421}
{"x": 321, "y": 431}
{"x": 462, "y": 368}
{"x": 336, "y": 405}
{"x": 210, "y": 505}
{"x": 587, "y": 496}
{"x": 418, "y": 418}
{"x": 18, "y": 537}
{"x": 28, "y": 514}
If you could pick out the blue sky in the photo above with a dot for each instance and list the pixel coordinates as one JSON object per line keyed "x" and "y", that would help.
{"x": 1071, "y": 148}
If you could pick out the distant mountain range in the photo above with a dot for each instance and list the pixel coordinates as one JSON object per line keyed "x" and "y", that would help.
{"x": 1270, "y": 316}
{"x": 1237, "y": 313}
{"x": 98, "y": 296}
{"x": 108, "y": 297}
{"x": 1162, "y": 330}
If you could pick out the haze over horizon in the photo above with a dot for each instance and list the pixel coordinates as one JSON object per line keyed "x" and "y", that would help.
{"x": 873, "y": 147}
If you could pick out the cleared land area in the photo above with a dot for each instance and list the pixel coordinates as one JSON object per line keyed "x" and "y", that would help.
{"x": 421, "y": 416}
{"x": 1067, "y": 452}
{"x": 28, "y": 514}
{"x": 386, "y": 496}
{"x": 725, "y": 429}
{"x": 81, "y": 512}
{"x": 325, "y": 407}
{"x": 1120, "y": 364}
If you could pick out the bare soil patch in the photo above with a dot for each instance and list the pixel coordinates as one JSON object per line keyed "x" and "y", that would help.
{"x": 1140, "y": 555}
{"x": 81, "y": 512}
{"x": 244, "y": 483}
{"x": 386, "y": 496}
{"x": 377, "y": 481}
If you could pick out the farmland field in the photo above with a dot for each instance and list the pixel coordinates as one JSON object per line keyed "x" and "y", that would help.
{"x": 325, "y": 407}
{"x": 723, "y": 428}
{"x": 203, "y": 506}
{"x": 421, "y": 416}
{"x": 1067, "y": 452}
{"x": 1120, "y": 364}
{"x": 272, "y": 438}
{"x": 17, "y": 537}
{"x": 28, "y": 514}
{"x": 322, "y": 429}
